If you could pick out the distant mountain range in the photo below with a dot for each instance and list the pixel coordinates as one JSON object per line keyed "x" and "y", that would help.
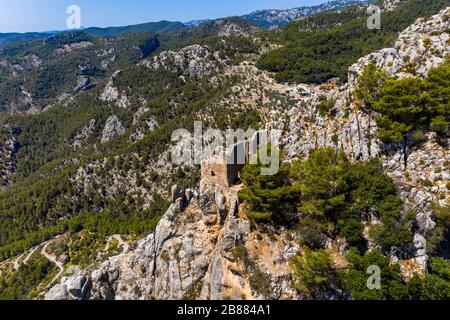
{"x": 7, "y": 38}
{"x": 272, "y": 19}
{"x": 161, "y": 26}
{"x": 268, "y": 19}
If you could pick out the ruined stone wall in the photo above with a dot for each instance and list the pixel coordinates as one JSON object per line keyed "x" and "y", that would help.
{"x": 225, "y": 168}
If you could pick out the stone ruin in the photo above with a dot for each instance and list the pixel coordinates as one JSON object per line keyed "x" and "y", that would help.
{"x": 224, "y": 168}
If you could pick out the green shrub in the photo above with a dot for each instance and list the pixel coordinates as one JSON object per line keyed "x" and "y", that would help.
{"x": 326, "y": 108}
{"x": 428, "y": 183}
{"x": 332, "y": 195}
{"x": 313, "y": 272}
{"x": 324, "y": 46}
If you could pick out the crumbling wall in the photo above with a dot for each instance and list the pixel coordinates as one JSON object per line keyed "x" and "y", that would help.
{"x": 225, "y": 168}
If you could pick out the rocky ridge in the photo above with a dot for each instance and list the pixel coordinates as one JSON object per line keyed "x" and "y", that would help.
{"x": 273, "y": 19}
{"x": 113, "y": 128}
{"x": 199, "y": 247}
{"x": 194, "y": 61}
{"x": 189, "y": 256}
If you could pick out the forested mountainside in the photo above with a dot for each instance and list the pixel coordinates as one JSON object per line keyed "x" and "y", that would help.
{"x": 273, "y": 19}
{"x": 12, "y": 37}
{"x": 324, "y": 47}
{"x": 263, "y": 18}
{"x": 155, "y": 27}
{"x": 92, "y": 207}
{"x": 37, "y": 74}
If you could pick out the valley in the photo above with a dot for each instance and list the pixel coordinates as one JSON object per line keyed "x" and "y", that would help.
{"x": 93, "y": 207}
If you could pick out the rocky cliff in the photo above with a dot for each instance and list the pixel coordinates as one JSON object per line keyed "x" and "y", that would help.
{"x": 201, "y": 249}
{"x": 8, "y": 150}
{"x": 204, "y": 247}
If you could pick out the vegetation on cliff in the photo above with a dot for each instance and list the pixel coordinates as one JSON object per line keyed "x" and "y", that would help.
{"x": 323, "y": 47}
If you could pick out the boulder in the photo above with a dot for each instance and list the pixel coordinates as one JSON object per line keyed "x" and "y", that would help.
{"x": 207, "y": 200}
{"x": 177, "y": 192}
{"x": 420, "y": 245}
{"x": 113, "y": 128}
{"x": 57, "y": 292}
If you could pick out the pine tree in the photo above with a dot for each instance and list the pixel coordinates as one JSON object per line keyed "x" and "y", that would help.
{"x": 368, "y": 91}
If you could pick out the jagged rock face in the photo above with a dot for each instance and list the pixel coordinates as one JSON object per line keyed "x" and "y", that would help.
{"x": 227, "y": 29}
{"x": 30, "y": 62}
{"x": 351, "y": 130}
{"x": 67, "y": 48}
{"x": 83, "y": 83}
{"x": 113, "y": 128}
{"x": 194, "y": 61}
{"x": 421, "y": 47}
{"x": 427, "y": 163}
{"x": 144, "y": 122}
{"x": 187, "y": 258}
{"x": 390, "y": 5}
{"x": 74, "y": 285}
{"x": 306, "y": 129}
{"x": 111, "y": 94}
{"x": 84, "y": 134}
{"x": 8, "y": 150}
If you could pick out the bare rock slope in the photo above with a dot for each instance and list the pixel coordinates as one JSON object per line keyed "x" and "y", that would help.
{"x": 205, "y": 248}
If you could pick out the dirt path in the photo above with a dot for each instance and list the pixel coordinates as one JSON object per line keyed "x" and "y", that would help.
{"x": 52, "y": 258}
{"x": 27, "y": 258}
{"x": 125, "y": 246}
{"x": 17, "y": 263}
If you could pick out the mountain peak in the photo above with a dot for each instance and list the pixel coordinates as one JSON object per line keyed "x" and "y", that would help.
{"x": 275, "y": 18}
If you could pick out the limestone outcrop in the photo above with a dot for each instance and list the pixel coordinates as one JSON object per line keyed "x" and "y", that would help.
{"x": 113, "y": 128}
{"x": 204, "y": 247}
{"x": 194, "y": 61}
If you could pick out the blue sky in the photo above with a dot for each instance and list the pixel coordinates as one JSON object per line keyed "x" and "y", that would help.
{"x": 45, "y": 15}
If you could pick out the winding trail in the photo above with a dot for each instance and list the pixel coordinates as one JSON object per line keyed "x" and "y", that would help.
{"x": 125, "y": 246}
{"x": 17, "y": 263}
{"x": 27, "y": 258}
{"x": 53, "y": 259}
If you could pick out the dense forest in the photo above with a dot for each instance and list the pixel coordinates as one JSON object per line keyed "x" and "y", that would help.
{"x": 335, "y": 199}
{"x": 84, "y": 194}
{"x": 31, "y": 209}
{"x": 314, "y": 52}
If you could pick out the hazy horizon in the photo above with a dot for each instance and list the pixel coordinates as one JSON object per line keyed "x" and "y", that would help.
{"x": 47, "y": 15}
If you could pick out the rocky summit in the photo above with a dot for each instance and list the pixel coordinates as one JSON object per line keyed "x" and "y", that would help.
{"x": 96, "y": 204}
